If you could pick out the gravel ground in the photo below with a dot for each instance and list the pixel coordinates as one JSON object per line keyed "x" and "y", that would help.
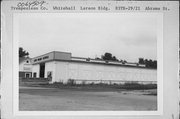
{"x": 51, "y": 99}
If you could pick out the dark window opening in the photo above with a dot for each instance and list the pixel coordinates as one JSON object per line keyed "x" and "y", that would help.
{"x": 34, "y": 75}
{"x": 27, "y": 75}
{"x": 42, "y": 70}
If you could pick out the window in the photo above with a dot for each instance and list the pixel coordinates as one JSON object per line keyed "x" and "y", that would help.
{"x": 27, "y": 75}
{"x": 34, "y": 74}
{"x": 49, "y": 74}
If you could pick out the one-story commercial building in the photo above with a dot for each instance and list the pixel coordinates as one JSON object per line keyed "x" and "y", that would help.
{"x": 62, "y": 66}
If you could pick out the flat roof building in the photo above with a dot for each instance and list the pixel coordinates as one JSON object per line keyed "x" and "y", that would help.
{"x": 62, "y": 66}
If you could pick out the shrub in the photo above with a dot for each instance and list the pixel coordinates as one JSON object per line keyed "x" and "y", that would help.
{"x": 58, "y": 83}
{"x": 71, "y": 82}
{"x": 137, "y": 86}
{"x": 83, "y": 83}
{"x": 92, "y": 83}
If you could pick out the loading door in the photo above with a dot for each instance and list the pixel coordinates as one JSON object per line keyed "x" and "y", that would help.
{"x": 42, "y": 70}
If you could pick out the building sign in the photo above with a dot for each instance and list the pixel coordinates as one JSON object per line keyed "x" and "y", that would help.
{"x": 55, "y": 55}
{"x": 40, "y": 59}
{"x": 43, "y": 58}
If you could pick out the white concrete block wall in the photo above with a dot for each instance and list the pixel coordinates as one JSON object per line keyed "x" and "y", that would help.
{"x": 83, "y": 71}
{"x": 50, "y": 67}
{"x": 61, "y": 72}
{"x": 35, "y": 69}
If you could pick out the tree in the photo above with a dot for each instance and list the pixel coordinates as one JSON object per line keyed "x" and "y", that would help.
{"x": 23, "y": 53}
{"x": 114, "y": 58}
{"x": 155, "y": 64}
{"x": 109, "y": 56}
{"x": 149, "y": 63}
{"x": 124, "y": 62}
{"x": 141, "y": 61}
{"x": 97, "y": 58}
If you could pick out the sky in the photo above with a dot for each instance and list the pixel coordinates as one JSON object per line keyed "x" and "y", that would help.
{"x": 126, "y": 36}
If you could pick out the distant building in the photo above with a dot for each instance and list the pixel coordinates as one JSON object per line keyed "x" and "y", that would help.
{"x": 61, "y": 66}
{"x": 25, "y": 67}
